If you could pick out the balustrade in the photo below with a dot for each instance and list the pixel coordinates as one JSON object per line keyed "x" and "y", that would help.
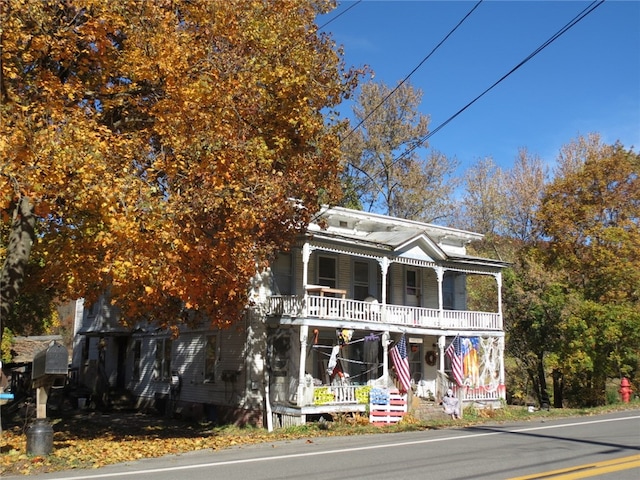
{"x": 336, "y": 308}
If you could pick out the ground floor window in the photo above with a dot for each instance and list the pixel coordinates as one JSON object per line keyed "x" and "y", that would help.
{"x": 162, "y": 369}
{"x": 210, "y": 358}
{"x": 137, "y": 359}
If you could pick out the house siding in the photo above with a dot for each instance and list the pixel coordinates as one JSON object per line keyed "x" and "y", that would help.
{"x": 241, "y": 374}
{"x": 429, "y": 288}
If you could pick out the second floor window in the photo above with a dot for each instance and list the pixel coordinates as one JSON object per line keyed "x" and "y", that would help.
{"x": 412, "y": 283}
{"x": 360, "y": 280}
{"x": 327, "y": 271}
{"x": 283, "y": 274}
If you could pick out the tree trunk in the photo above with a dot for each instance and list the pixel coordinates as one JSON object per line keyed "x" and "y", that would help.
{"x": 543, "y": 396}
{"x": 558, "y": 389}
{"x": 21, "y": 238}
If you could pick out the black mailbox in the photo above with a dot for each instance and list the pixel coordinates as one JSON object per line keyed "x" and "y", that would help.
{"x": 54, "y": 360}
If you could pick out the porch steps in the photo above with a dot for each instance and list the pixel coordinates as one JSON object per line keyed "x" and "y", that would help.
{"x": 425, "y": 410}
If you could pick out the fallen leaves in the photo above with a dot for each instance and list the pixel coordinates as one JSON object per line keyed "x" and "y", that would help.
{"x": 95, "y": 440}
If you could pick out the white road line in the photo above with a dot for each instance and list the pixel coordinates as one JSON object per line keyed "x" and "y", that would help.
{"x": 334, "y": 452}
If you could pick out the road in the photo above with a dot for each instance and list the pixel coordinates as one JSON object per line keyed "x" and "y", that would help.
{"x": 603, "y": 446}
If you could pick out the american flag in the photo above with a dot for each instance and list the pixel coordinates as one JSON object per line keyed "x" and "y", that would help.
{"x": 455, "y": 353}
{"x": 401, "y": 363}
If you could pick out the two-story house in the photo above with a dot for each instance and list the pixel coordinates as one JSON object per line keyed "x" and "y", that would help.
{"x": 318, "y": 331}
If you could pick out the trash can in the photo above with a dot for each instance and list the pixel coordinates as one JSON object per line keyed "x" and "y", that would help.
{"x": 40, "y": 437}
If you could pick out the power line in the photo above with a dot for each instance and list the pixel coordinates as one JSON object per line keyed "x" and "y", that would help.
{"x": 337, "y": 16}
{"x": 586, "y": 11}
{"x": 410, "y": 73}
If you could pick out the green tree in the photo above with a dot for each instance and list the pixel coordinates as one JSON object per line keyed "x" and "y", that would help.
{"x": 590, "y": 215}
{"x": 157, "y": 150}
{"x": 535, "y": 305}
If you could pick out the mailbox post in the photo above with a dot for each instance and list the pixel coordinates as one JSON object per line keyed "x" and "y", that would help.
{"x": 48, "y": 365}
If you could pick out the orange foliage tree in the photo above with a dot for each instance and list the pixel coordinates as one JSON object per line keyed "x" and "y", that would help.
{"x": 158, "y": 149}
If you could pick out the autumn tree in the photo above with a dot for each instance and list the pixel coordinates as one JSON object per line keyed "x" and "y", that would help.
{"x": 483, "y": 204}
{"x": 157, "y": 150}
{"x": 524, "y": 185}
{"x": 590, "y": 215}
{"x": 383, "y": 166}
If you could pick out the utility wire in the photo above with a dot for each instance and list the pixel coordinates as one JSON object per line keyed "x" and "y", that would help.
{"x": 410, "y": 73}
{"x": 339, "y": 15}
{"x": 586, "y": 11}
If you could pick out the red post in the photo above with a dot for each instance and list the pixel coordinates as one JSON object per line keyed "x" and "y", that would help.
{"x": 625, "y": 390}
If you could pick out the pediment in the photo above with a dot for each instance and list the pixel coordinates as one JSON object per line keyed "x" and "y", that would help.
{"x": 420, "y": 247}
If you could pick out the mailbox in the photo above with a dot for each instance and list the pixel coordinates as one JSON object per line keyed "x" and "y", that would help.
{"x": 54, "y": 360}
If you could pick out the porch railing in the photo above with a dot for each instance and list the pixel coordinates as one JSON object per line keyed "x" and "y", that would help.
{"x": 334, "y": 308}
{"x": 335, "y": 395}
{"x": 347, "y": 394}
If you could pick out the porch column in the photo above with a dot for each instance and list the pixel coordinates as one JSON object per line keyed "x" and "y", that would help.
{"x": 304, "y": 332}
{"x": 501, "y": 388}
{"x": 385, "y": 357}
{"x": 306, "y": 254}
{"x": 440, "y": 277}
{"x": 442, "y": 341}
{"x": 384, "y": 268}
{"x": 498, "y": 277}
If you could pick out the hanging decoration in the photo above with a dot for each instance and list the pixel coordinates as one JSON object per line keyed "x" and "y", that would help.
{"x": 430, "y": 358}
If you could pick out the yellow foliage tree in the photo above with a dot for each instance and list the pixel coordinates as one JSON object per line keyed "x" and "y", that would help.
{"x": 158, "y": 149}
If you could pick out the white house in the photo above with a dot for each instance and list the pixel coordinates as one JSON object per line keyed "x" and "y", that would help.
{"x": 317, "y": 333}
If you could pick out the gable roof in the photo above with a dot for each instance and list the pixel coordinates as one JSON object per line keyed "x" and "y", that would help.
{"x": 399, "y": 237}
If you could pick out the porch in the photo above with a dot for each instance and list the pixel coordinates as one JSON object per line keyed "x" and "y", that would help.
{"x": 345, "y": 309}
{"x": 338, "y": 399}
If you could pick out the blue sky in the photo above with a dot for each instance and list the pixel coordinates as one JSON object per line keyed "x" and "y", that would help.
{"x": 587, "y": 80}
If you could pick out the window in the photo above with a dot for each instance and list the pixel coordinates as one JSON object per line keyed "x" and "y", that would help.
{"x": 360, "y": 280}
{"x": 412, "y": 283}
{"x": 415, "y": 358}
{"x": 137, "y": 359}
{"x": 210, "y": 359}
{"x": 327, "y": 271}
{"x": 448, "y": 289}
{"x": 85, "y": 349}
{"x": 162, "y": 370}
{"x": 282, "y": 274}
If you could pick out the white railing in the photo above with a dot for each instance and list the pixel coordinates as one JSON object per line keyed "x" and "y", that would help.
{"x": 334, "y": 308}
{"x": 335, "y": 394}
{"x": 479, "y": 394}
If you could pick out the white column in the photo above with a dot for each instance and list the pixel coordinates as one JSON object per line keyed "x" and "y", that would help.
{"x": 306, "y": 254}
{"x": 498, "y": 277}
{"x": 384, "y": 268}
{"x": 440, "y": 277}
{"x": 304, "y": 332}
{"x": 442, "y": 340}
{"x": 501, "y": 359}
{"x": 385, "y": 357}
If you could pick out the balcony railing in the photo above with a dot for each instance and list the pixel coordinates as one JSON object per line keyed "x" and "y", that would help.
{"x": 333, "y": 308}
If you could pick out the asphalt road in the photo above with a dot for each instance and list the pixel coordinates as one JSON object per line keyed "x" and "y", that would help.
{"x": 602, "y": 446}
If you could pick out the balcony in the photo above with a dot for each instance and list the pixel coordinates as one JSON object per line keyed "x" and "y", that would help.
{"x": 344, "y": 309}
